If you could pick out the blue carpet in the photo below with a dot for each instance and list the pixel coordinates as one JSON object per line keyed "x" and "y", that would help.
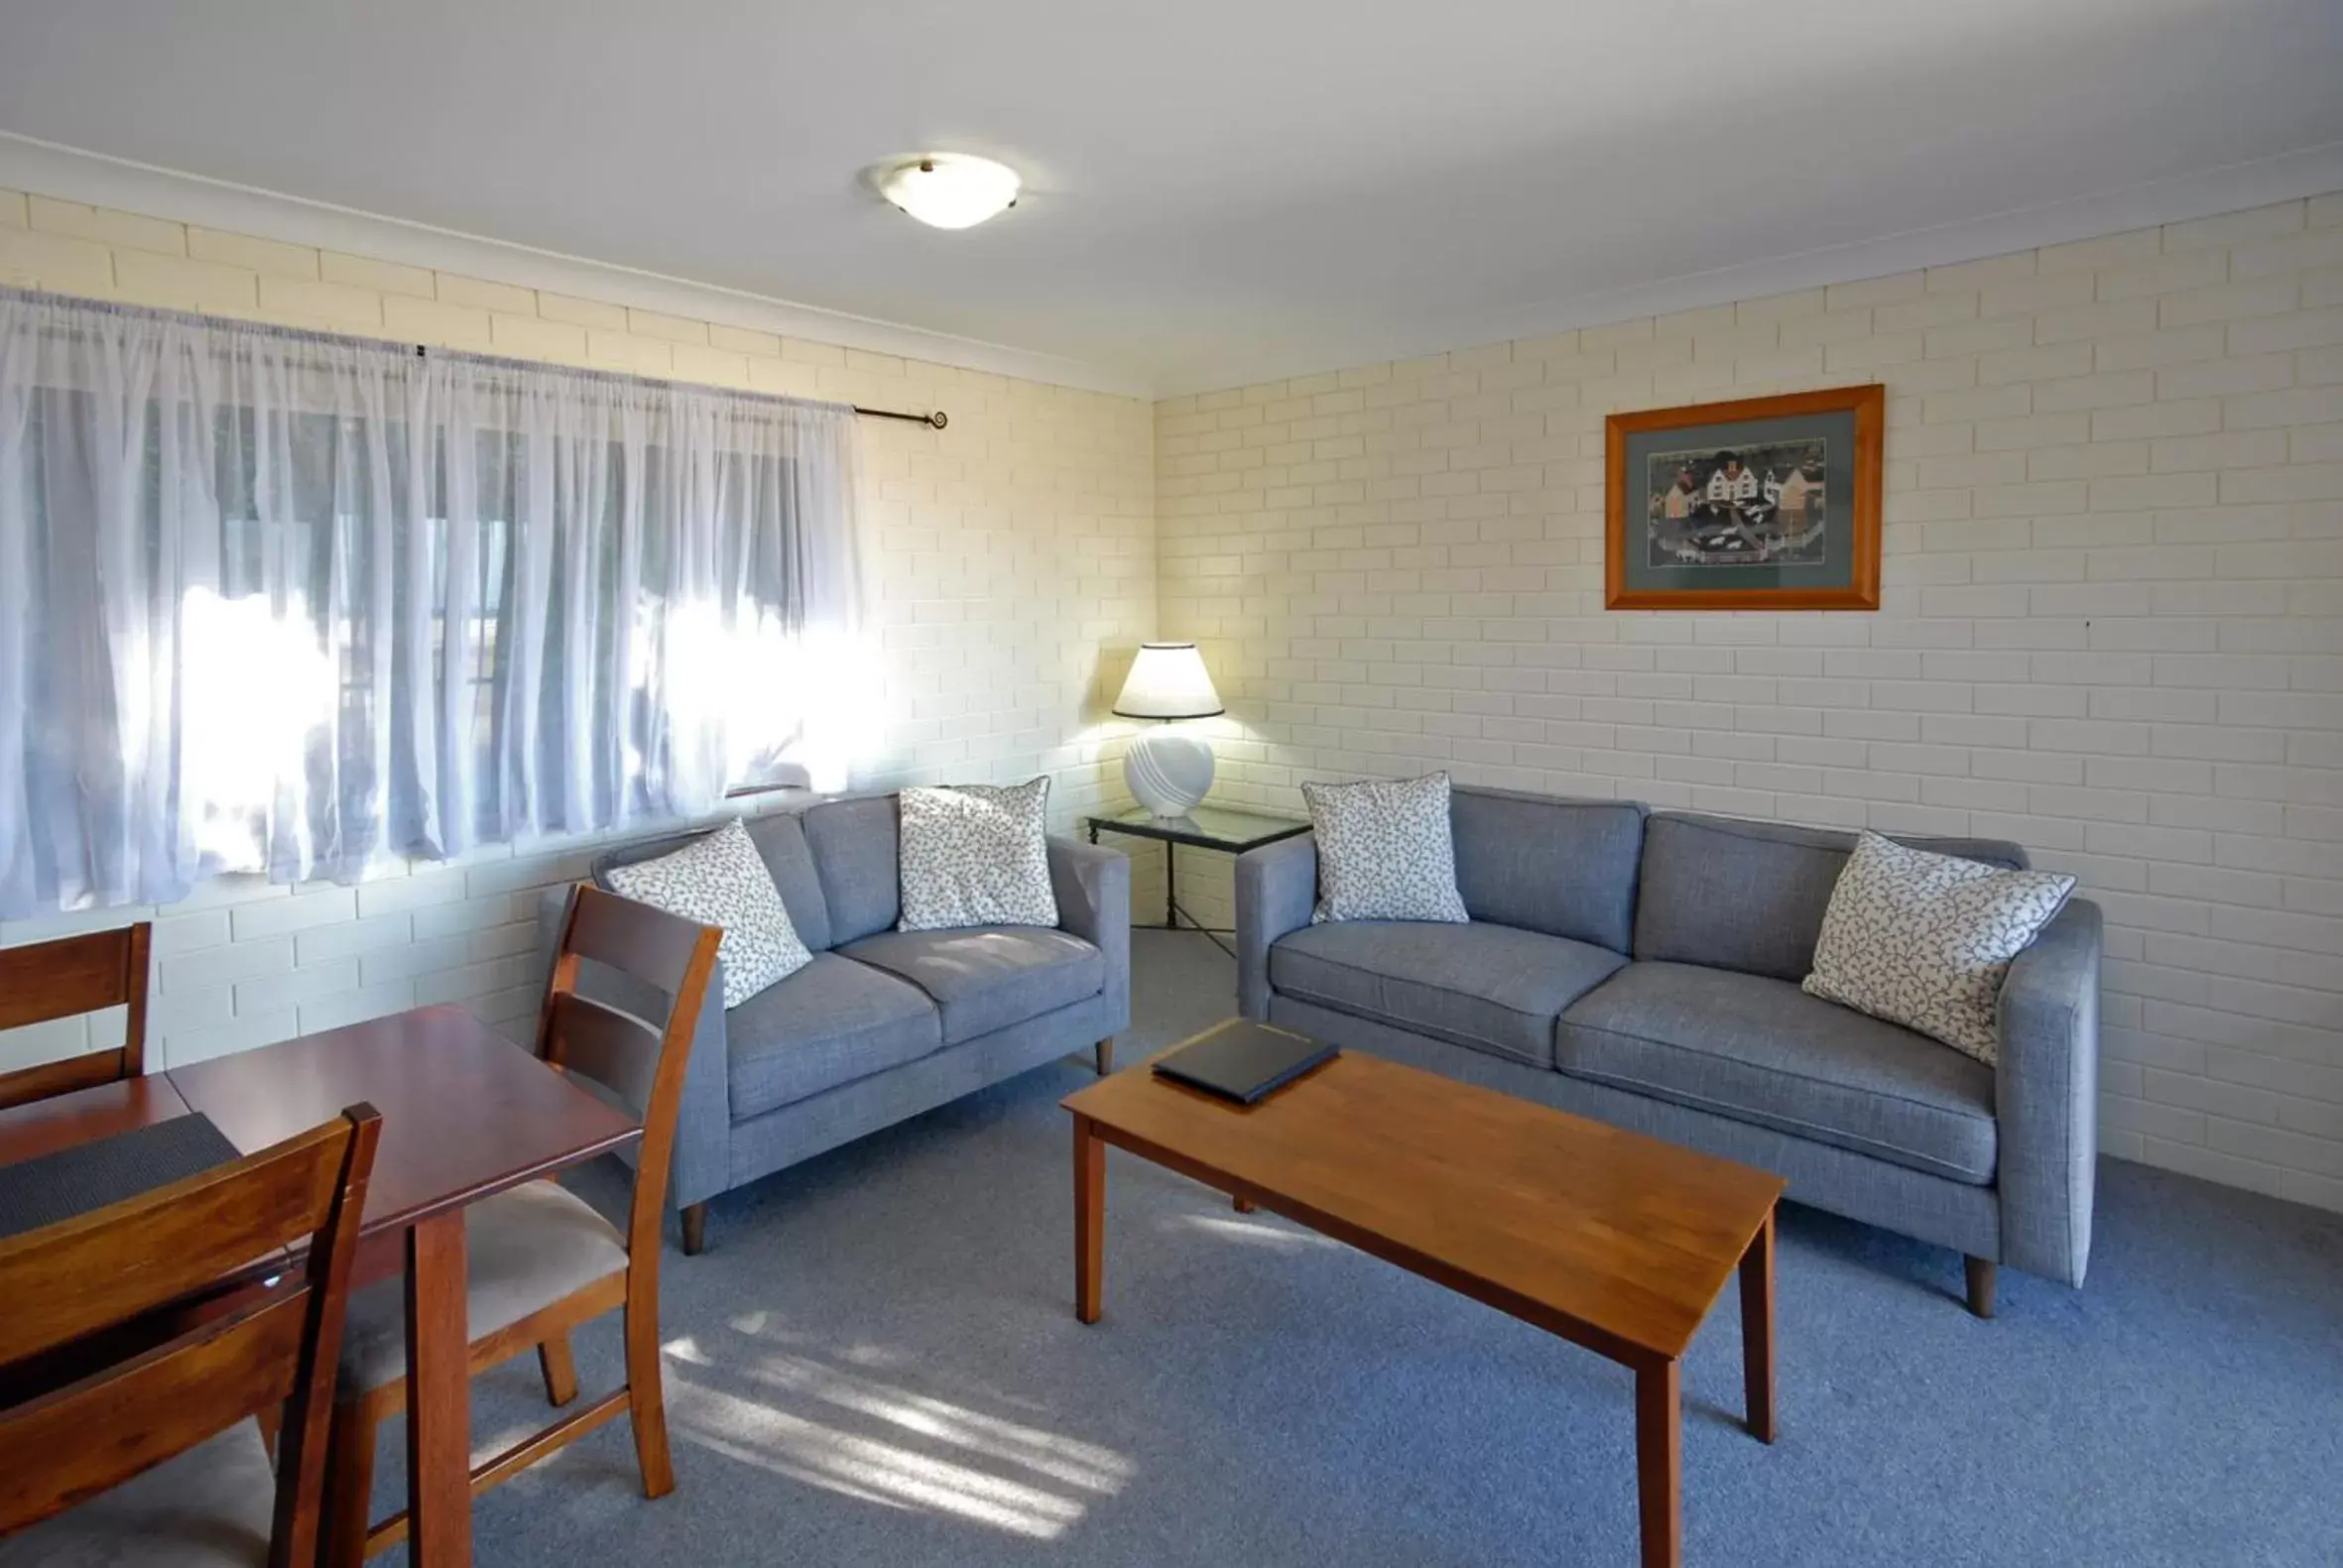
{"x": 876, "y": 1363}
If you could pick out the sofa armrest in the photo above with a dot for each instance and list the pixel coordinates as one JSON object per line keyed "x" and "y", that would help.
{"x": 702, "y": 1164}
{"x": 1277, "y": 888}
{"x": 2046, "y": 1093}
{"x": 1092, "y": 887}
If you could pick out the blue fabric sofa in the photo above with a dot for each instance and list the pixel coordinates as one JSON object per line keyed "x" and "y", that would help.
{"x": 883, "y": 1023}
{"x": 1643, "y": 967}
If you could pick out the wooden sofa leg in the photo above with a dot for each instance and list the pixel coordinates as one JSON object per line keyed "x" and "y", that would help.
{"x": 1982, "y": 1273}
{"x": 696, "y": 1229}
{"x": 1106, "y": 1057}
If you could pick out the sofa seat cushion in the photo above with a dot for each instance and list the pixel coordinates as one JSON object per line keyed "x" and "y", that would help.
{"x": 988, "y": 977}
{"x": 1762, "y": 1051}
{"x": 832, "y": 1022}
{"x": 1493, "y": 988}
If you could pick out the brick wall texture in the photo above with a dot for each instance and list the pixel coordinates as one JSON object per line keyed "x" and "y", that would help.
{"x": 2112, "y": 630}
{"x": 2112, "y": 627}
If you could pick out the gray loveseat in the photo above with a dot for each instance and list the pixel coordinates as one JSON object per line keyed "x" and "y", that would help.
{"x": 1643, "y": 968}
{"x": 883, "y": 1023}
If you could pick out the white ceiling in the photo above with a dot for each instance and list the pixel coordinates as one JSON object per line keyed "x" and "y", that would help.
{"x": 1218, "y": 189}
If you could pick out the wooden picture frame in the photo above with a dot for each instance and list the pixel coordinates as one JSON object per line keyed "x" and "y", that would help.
{"x": 1717, "y": 520}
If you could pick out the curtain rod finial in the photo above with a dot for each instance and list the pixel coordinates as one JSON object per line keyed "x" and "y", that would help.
{"x": 937, "y": 419}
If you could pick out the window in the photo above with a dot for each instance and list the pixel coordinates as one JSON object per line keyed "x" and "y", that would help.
{"x": 273, "y": 601}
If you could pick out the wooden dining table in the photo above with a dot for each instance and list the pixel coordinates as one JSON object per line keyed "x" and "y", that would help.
{"x": 465, "y": 1113}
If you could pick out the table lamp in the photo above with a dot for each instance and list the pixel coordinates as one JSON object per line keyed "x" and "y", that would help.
{"x": 1167, "y": 770}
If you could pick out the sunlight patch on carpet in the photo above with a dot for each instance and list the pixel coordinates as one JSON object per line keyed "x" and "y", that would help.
{"x": 884, "y": 1444}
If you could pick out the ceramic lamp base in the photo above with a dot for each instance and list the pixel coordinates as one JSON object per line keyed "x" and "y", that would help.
{"x": 1167, "y": 770}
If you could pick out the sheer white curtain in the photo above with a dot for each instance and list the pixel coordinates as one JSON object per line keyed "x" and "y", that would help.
{"x": 279, "y": 602}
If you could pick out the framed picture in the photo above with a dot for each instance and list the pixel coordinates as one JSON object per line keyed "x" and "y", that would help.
{"x": 1764, "y": 503}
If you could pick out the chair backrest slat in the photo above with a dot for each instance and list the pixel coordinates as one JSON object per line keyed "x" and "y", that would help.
{"x": 615, "y": 1049}
{"x": 75, "y": 1277}
{"x": 634, "y": 938}
{"x": 661, "y": 950}
{"x": 101, "y": 1304}
{"x": 44, "y": 980}
{"x": 149, "y": 1407}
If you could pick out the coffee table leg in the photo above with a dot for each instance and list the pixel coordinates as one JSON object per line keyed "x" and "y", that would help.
{"x": 1660, "y": 1462}
{"x": 1089, "y": 1218}
{"x": 1757, "y": 1330}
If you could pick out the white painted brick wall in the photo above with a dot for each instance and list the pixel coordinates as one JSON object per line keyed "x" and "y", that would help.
{"x": 1006, "y": 552}
{"x": 2111, "y": 628}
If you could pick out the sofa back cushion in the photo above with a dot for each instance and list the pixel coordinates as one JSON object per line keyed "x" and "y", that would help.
{"x": 854, "y": 844}
{"x": 781, "y": 839}
{"x": 1549, "y": 863}
{"x": 1750, "y": 895}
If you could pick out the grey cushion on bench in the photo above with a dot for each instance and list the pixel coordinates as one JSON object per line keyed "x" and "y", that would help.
{"x": 987, "y": 977}
{"x": 1493, "y": 988}
{"x": 832, "y": 1022}
{"x": 1761, "y": 1050}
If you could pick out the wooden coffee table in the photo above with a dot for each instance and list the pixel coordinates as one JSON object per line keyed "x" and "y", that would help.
{"x": 1612, "y": 1240}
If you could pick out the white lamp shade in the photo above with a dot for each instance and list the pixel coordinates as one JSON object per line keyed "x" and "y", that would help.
{"x": 1167, "y": 681}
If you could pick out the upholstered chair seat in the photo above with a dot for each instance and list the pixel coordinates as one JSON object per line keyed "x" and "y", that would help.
{"x": 525, "y": 1250}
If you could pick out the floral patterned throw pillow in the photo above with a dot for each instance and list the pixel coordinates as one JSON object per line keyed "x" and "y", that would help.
{"x": 1384, "y": 850}
{"x": 719, "y": 879}
{"x": 1924, "y": 940}
{"x": 976, "y": 855}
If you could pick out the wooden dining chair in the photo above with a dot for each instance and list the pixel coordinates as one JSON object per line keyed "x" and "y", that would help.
{"x": 118, "y": 1446}
{"x": 541, "y": 1262}
{"x": 44, "y": 980}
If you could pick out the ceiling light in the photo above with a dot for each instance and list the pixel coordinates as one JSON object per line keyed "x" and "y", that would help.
{"x": 950, "y": 190}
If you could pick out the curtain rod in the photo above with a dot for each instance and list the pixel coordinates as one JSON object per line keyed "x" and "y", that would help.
{"x": 935, "y": 420}
{"x": 47, "y": 298}
{"x": 938, "y": 418}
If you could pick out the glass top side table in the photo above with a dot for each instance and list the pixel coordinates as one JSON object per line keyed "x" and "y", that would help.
{"x": 1223, "y": 828}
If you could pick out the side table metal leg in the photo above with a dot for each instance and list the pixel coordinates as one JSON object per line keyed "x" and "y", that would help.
{"x": 1171, "y": 889}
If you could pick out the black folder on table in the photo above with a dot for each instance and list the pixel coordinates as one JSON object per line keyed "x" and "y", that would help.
{"x": 84, "y": 1177}
{"x": 1243, "y": 1062}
